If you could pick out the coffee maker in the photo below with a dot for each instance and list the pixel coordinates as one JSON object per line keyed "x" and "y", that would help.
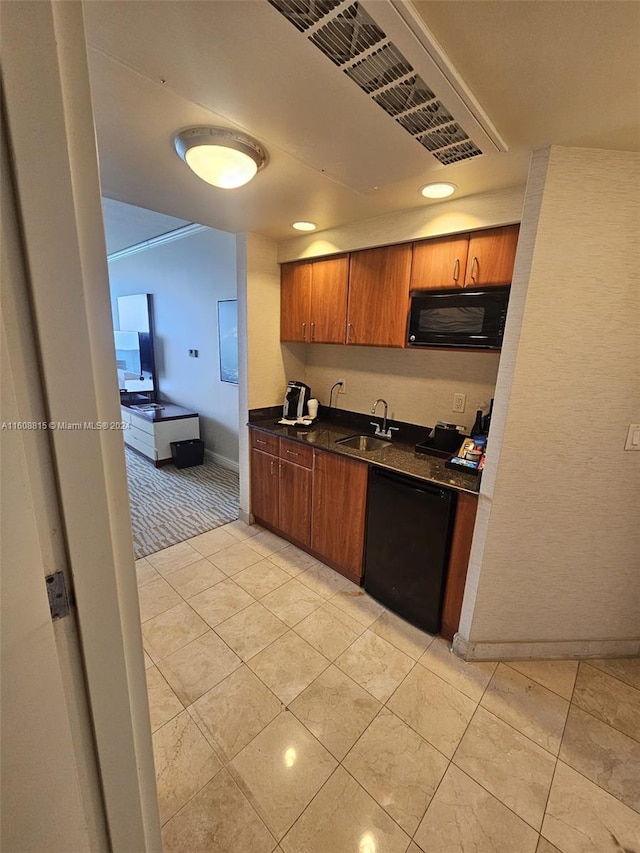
{"x": 295, "y": 401}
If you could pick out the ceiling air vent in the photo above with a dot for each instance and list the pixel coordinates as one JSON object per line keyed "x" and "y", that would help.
{"x": 346, "y": 36}
{"x": 457, "y": 153}
{"x": 378, "y": 69}
{"x": 304, "y": 13}
{"x": 443, "y": 137}
{"x": 427, "y": 117}
{"x": 406, "y": 95}
{"x": 387, "y": 58}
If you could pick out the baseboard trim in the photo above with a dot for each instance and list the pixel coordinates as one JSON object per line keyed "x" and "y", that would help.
{"x": 547, "y": 650}
{"x": 222, "y": 461}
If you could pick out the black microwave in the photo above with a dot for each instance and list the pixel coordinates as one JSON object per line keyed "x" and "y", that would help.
{"x": 469, "y": 319}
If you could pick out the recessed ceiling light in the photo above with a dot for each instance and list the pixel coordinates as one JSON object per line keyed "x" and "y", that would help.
{"x": 438, "y": 190}
{"x": 304, "y": 226}
{"x": 220, "y": 156}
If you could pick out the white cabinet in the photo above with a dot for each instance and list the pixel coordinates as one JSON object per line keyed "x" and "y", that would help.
{"x": 151, "y": 433}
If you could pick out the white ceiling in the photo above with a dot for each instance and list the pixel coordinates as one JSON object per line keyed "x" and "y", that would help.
{"x": 127, "y": 225}
{"x": 543, "y": 71}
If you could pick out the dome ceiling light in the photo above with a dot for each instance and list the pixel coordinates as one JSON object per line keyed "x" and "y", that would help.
{"x": 438, "y": 190}
{"x": 221, "y": 157}
{"x": 304, "y": 226}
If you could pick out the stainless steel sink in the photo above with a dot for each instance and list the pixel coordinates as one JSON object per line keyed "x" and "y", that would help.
{"x": 363, "y": 442}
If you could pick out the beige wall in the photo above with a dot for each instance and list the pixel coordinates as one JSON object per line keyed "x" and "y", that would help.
{"x": 264, "y": 365}
{"x": 435, "y": 219}
{"x": 417, "y": 384}
{"x": 557, "y": 543}
{"x": 268, "y": 364}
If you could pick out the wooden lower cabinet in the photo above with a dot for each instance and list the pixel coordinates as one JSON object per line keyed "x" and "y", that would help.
{"x": 264, "y": 487}
{"x": 467, "y": 506}
{"x": 318, "y": 500}
{"x": 339, "y": 510}
{"x": 312, "y": 497}
{"x": 294, "y": 501}
{"x": 280, "y": 488}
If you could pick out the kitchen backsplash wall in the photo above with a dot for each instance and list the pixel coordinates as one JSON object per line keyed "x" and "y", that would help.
{"x": 417, "y": 384}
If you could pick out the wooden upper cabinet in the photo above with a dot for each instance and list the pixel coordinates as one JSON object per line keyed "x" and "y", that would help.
{"x": 295, "y": 302}
{"x": 363, "y": 297}
{"x": 491, "y": 257}
{"x": 313, "y": 300}
{"x": 439, "y": 263}
{"x": 329, "y": 285}
{"x": 379, "y": 296}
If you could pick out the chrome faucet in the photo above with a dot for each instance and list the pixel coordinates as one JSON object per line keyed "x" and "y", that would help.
{"x": 384, "y": 432}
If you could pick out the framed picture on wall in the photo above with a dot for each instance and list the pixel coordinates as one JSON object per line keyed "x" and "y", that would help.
{"x": 228, "y": 340}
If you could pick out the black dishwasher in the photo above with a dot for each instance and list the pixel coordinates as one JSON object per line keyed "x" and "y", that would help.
{"x": 409, "y": 526}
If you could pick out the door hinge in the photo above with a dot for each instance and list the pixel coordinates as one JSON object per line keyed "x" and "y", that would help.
{"x": 58, "y": 595}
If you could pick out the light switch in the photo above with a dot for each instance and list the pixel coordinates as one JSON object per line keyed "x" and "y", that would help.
{"x": 633, "y": 437}
{"x": 193, "y": 353}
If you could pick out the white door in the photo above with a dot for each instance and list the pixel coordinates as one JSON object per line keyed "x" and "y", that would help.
{"x": 42, "y": 808}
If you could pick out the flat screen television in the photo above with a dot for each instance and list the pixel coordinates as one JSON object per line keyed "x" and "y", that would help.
{"x": 135, "y": 362}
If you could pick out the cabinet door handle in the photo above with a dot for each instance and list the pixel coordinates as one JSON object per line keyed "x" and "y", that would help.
{"x": 272, "y": 468}
{"x": 280, "y": 470}
{"x": 313, "y": 331}
{"x": 260, "y": 441}
{"x": 474, "y": 266}
{"x": 292, "y": 453}
{"x": 349, "y": 331}
{"x": 304, "y": 331}
{"x": 456, "y": 270}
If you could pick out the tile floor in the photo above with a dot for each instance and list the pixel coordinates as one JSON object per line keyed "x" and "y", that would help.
{"x": 293, "y": 713}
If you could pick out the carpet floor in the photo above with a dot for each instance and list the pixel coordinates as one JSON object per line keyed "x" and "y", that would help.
{"x": 169, "y": 504}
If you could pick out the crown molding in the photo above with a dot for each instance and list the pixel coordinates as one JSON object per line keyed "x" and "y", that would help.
{"x": 178, "y": 234}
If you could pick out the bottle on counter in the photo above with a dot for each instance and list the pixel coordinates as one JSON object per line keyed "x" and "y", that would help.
{"x": 477, "y": 429}
{"x": 486, "y": 421}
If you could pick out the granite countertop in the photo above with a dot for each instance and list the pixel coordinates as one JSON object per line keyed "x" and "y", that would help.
{"x": 396, "y": 456}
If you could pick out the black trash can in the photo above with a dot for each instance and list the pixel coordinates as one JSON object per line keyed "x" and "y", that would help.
{"x": 187, "y": 453}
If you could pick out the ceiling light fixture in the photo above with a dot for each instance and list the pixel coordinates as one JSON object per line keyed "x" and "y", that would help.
{"x": 438, "y": 190}
{"x": 220, "y": 156}
{"x": 304, "y": 226}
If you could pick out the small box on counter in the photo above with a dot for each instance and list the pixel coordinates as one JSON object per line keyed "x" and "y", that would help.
{"x": 470, "y": 457}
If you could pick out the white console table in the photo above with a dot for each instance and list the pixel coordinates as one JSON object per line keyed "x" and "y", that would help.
{"x": 151, "y": 431}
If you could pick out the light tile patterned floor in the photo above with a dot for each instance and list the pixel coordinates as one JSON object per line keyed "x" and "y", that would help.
{"x": 292, "y": 713}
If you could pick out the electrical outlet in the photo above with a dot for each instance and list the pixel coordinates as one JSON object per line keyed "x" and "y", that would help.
{"x": 193, "y": 353}
{"x": 459, "y": 402}
{"x": 633, "y": 437}
{"x": 343, "y": 386}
